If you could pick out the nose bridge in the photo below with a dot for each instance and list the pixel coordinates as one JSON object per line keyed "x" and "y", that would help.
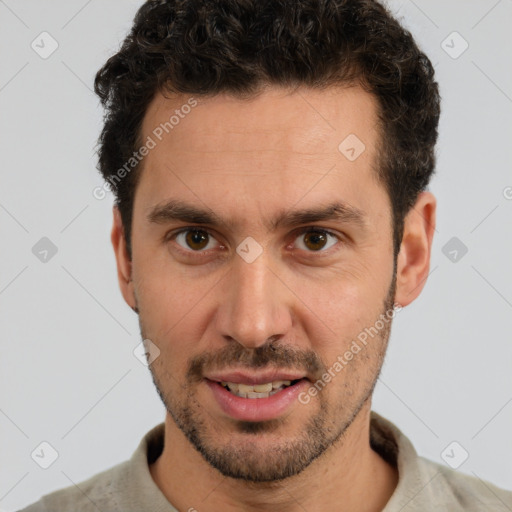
{"x": 255, "y": 307}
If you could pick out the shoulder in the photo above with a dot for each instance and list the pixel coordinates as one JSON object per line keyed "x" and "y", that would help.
{"x": 96, "y": 493}
{"x": 425, "y": 485}
{"x": 470, "y": 493}
{"x": 128, "y": 486}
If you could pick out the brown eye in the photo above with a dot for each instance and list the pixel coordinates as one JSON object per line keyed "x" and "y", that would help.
{"x": 195, "y": 239}
{"x": 316, "y": 240}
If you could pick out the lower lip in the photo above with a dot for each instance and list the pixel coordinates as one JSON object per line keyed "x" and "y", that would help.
{"x": 256, "y": 409}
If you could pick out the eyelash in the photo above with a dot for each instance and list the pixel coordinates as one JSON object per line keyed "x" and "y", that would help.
{"x": 201, "y": 254}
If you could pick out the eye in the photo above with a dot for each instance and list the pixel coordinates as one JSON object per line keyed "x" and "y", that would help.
{"x": 196, "y": 240}
{"x": 315, "y": 240}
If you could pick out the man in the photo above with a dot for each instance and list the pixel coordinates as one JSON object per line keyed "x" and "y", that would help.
{"x": 270, "y": 163}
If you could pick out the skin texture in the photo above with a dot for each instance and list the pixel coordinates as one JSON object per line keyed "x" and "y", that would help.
{"x": 247, "y": 162}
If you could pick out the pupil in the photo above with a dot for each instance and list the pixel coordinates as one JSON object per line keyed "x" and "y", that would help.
{"x": 197, "y": 239}
{"x": 315, "y": 241}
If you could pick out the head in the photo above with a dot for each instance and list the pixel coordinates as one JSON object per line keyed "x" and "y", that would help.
{"x": 269, "y": 162}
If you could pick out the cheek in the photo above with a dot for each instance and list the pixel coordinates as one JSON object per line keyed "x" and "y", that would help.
{"x": 345, "y": 295}
{"x": 336, "y": 309}
{"x": 172, "y": 311}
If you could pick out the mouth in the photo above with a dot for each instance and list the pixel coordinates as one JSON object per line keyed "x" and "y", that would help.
{"x": 258, "y": 390}
{"x": 256, "y": 398}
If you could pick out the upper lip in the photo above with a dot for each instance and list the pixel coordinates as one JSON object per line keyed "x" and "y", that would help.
{"x": 243, "y": 377}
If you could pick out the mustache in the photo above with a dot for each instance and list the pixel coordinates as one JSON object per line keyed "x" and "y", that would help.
{"x": 270, "y": 355}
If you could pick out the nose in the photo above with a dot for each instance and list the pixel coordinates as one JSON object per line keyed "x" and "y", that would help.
{"x": 254, "y": 305}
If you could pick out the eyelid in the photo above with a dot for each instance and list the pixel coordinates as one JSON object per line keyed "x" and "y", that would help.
{"x": 170, "y": 236}
{"x": 315, "y": 229}
{"x": 175, "y": 232}
{"x": 295, "y": 234}
{"x": 309, "y": 229}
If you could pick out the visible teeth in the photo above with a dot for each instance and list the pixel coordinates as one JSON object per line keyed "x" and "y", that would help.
{"x": 256, "y": 390}
{"x": 278, "y": 383}
{"x": 257, "y": 395}
{"x": 263, "y": 388}
{"x": 244, "y": 388}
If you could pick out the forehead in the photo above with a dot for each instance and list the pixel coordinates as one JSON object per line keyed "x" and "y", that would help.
{"x": 278, "y": 146}
{"x": 302, "y": 120}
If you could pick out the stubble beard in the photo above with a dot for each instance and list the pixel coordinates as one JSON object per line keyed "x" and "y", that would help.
{"x": 280, "y": 456}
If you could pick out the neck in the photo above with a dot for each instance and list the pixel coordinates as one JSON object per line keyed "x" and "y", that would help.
{"x": 340, "y": 479}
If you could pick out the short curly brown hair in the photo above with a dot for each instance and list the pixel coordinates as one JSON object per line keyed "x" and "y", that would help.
{"x": 238, "y": 46}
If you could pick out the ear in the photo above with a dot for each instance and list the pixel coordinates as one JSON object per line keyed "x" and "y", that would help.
{"x": 124, "y": 264}
{"x": 414, "y": 257}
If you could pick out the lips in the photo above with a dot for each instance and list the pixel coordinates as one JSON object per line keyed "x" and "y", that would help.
{"x": 256, "y": 397}
{"x": 257, "y": 390}
{"x": 252, "y": 379}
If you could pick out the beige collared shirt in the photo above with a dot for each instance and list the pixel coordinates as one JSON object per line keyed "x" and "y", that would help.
{"x": 423, "y": 485}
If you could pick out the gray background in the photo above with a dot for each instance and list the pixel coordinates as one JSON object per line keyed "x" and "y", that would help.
{"x": 68, "y": 375}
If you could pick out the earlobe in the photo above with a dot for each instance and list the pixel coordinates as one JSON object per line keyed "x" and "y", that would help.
{"x": 123, "y": 261}
{"x": 413, "y": 261}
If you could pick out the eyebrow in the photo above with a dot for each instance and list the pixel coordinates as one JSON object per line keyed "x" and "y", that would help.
{"x": 177, "y": 210}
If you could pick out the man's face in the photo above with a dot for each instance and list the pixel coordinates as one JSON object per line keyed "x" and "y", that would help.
{"x": 260, "y": 253}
